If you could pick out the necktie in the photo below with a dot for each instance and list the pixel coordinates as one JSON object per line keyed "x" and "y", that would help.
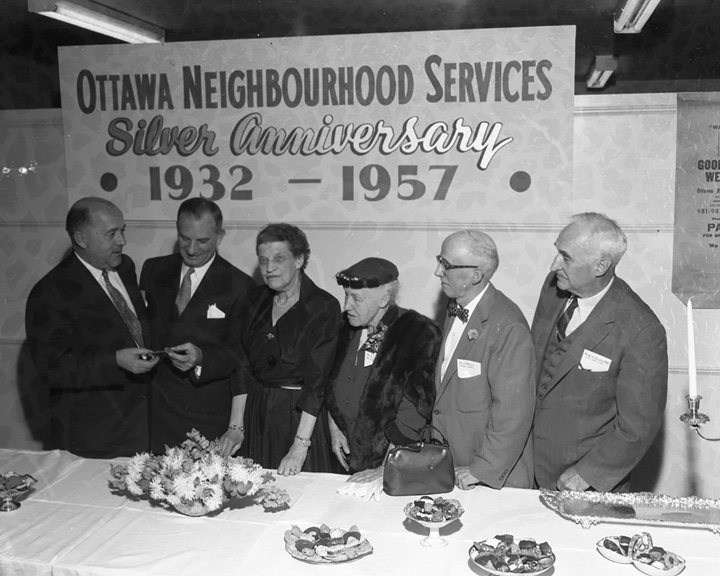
{"x": 184, "y": 294}
{"x": 131, "y": 321}
{"x": 454, "y": 309}
{"x": 565, "y": 317}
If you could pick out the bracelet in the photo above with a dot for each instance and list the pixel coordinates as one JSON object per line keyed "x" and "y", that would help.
{"x": 303, "y": 441}
{"x": 236, "y": 427}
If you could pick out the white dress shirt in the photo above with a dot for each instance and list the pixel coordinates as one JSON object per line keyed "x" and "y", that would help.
{"x": 197, "y": 277}
{"x": 585, "y": 307}
{"x": 114, "y": 278}
{"x": 456, "y": 331}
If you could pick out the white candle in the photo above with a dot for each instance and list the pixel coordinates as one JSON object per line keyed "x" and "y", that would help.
{"x": 692, "y": 375}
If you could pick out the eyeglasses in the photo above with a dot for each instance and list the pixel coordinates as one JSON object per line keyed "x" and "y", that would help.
{"x": 447, "y": 266}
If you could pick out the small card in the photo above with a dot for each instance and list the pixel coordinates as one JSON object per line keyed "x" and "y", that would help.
{"x": 594, "y": 362}
{"x": 215, "y": 312}
{"x": 468, "y": 368}
{"x": 369, "y": 358}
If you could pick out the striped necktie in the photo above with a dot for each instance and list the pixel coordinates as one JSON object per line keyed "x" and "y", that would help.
{"x": 565, "y": 317}
{"x": 128, "y": 316}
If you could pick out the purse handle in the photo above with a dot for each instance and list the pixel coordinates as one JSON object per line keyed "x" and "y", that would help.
{"x": 425, "y": 434}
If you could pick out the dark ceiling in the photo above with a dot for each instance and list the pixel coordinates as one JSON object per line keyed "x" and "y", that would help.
{"x": 677, "y": 51}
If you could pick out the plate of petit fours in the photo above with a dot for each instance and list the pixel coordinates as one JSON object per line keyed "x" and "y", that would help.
{"x": 325, "y": 545}
{"x": 504, "y": 554}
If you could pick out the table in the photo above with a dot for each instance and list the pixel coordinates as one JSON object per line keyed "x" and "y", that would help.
{"x": 73, "y": 525}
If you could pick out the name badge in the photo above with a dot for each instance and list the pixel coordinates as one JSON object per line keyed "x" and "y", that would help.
{"x": 594, "y": 362}
{"x": 468, "y": 368}
{"x": 369, "y": 358}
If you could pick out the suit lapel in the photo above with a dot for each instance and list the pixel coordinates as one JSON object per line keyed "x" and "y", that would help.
{"x": 168, "y": 282}
{"x": 438, "y": 364}
{"x": 129, "y": 280}
{"x": 465, "y": 344}
{"x": 212, "y": 283}
{"x": 97, "y": 298}
{"x": 588, "y": 335}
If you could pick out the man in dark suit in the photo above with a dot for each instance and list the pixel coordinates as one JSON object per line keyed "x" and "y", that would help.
{"x": 485, "y": 376}
{"x": 195, "y": 300}
{"x": 602, "y": 365}
{"x": 86, "y": 326}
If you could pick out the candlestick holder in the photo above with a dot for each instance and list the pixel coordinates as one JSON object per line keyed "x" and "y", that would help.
{"x": 694, "y": 418}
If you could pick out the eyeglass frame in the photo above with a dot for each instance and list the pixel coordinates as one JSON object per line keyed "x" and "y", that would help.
{"x": 446, "y": 266}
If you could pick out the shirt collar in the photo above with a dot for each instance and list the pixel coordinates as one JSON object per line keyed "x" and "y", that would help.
{"x": 199, "y": 271}
{"x": 586, "y": 305}
{"x": 475, "y": 301}
{"x": 96, "y": 272}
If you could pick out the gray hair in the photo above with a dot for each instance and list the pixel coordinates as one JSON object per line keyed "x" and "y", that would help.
{"x": 483, "y": 247}
{"x": 602, "y": 235}
{"x": 392, "y": 290}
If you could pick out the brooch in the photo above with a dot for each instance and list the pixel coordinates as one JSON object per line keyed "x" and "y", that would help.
{"x": 472, "y": 334}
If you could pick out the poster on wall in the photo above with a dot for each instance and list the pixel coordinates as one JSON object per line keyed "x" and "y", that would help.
{"x": 453, "y": 126}
{"x": 696, "y": 240}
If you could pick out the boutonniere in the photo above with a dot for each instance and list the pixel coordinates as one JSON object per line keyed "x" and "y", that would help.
{"x": 472, "y": 334}
{"x": 269, "y": 336}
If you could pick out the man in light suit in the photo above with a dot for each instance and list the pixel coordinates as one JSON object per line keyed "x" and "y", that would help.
{"x": 602, "y": 365}
{"x": 86, "y": 328}
{"x": 195, "y": 301}
{"x": 485, "y": 376}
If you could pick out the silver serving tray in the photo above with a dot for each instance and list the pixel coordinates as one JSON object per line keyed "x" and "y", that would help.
{"x": 590, "y": 508}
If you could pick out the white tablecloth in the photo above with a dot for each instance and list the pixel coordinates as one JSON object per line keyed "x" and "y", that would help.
{"x": 73, "y": 525}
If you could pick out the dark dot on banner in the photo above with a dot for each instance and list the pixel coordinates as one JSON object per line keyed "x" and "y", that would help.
{"x": 520, "y": 181}
{"x": 108, "y": 182}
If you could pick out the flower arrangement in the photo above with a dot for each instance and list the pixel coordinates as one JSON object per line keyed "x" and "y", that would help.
{"x": 195, "y": 475}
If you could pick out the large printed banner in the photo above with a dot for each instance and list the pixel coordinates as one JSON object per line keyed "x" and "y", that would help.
{"x": 454, "y": 126}
{"x": 696, "y": 254}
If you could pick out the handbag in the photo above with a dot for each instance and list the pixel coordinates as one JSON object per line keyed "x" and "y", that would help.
{"x": 420, "y": 468}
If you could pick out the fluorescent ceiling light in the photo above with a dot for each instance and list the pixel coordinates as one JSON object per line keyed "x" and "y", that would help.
{"x": 600, "y": 71}
{"x": 100, "y": 19}
{"x": 631, "y": 15}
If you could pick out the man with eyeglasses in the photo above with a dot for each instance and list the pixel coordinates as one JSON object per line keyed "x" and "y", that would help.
{"x": 484, "y": 379}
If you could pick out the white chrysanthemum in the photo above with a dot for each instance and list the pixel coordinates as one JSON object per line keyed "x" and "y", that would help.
{"x": 133, "y": 488}
{"x": 255, "y": 475}
{"x": 214, "y": 499}
{"x": 157, "y": 492}
{"x": 174, "y": 459}
{"x": 135, "y": 467}
{"x": 184, "y": 487}
{"x": 240, "y": 472}
{"x": 214, "y": 466}
{"x": 173, "y": 499}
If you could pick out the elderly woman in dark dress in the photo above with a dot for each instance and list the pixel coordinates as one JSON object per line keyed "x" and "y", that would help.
{"x": 289, "y": 333}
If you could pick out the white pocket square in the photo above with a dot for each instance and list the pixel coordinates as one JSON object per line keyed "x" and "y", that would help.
{"x": 215, "y": 312}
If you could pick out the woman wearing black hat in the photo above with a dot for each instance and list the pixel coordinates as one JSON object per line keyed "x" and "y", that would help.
{"x": 289, "y": 334}
{"x": 382, "y": 380}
